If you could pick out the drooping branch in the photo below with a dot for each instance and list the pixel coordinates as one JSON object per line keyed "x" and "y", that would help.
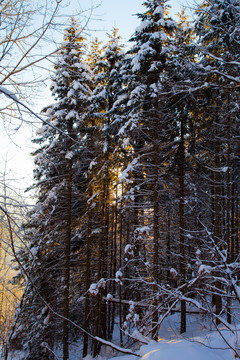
{"x": 96, "y": 338}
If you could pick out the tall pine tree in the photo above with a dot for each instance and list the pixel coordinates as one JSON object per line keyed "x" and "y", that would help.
{"x": 53, "y": 230}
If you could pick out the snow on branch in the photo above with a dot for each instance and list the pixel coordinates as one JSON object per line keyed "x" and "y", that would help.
{"x": 9, "y": 94}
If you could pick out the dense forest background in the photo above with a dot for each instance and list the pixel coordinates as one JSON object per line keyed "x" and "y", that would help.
{"x": 137, "y": 185}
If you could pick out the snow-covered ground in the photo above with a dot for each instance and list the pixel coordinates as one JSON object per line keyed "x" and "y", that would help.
{"x": 202, "y": 341}
{"x": 179, "y": 349}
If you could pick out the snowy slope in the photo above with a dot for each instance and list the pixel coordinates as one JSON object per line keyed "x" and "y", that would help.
{"x": 201, "y": 342}
{"x": 179, "y": 349}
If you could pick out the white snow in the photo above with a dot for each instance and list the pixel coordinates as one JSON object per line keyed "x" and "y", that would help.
{"x": 118, "y": 277}
{"x": 158, "y": 10}
{"x": 74, "y": 52}
{"x": 170, "y": 23}
{"x": 163, "y": 36}
{"x": 71, "y": 114}
{"x": 101, "y": 284}
{"x": 119, "y": 274}
{"x": 146, "y": 48}
{"x": 203, "y": 269}
{"x": 143, "y": 25}
{"x": 125, "y": 174}
{"x": 92, "y": 164}
{"x": 154, "y": 67}
{"x": 76, "y": 85}
{"x": 105, "y": 147}
{"x": 159, "y": 35}
{"x": 34, "y": 250}
{"x": 70, "y": 93}
{"x": 161, "y": 22}
{"x": 125, "y": 143}
{"x": 96, "y": 231}
{"x": 179, "y": 349}
{"x": 135, "y": 63}
{"x": 142, "y": 232}
{"x": 138, "y": 91}
{"x": 60, "y": 113}
{"x": 128, "y": 250}
{"x": 69, "y": 155}
{"x": 198, "y": 252}
{"x": 93, "y": 289}
{"x": 42, "y": 130}
{"x": 65, "y": 74}
{"x": 200, "y": 342}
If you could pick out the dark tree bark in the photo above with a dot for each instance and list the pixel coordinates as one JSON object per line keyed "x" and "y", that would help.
{"x": 181, "y": 167}
{"x": 67, "y": 251}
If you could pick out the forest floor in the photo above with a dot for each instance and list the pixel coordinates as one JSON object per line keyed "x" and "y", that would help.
{"x": 202, "y": 341}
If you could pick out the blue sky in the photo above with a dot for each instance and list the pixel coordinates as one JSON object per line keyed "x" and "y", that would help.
{"x": 118, "y": 13}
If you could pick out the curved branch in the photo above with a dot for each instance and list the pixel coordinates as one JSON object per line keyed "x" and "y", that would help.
{"x": 96, "y": 338}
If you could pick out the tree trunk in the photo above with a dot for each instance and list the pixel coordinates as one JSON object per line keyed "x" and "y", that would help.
{"x": 181, "y": 166}
{"x": 67, "y": 264}
{"x": 67, "y": 248}
{"x": 156, "y": 274}
{"x": 88, "y": 282}
{"x": 218, "y": 217}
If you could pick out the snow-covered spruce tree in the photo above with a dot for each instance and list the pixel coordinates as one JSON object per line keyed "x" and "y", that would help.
{"x": 103, "y": 174}
{"x": 53, "y": 232}
{"x": 179, "y": 84}
{"x": 211, "y": 128}
{"x": 147, "y": 134}
{"x": 217, "y": 25}
{"x": 91, "y": 216}
{"x": 218, "y": 30}
{"x": 206, "y": 153}
{"x": 177, "y": 173}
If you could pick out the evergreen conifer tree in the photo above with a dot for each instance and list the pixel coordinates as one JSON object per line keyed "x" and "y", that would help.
{"x": 107, "y": 85}
{"x": 146, "y": 131}
{"x": 53, "y": 231}
{"x": 217, "y": 27}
